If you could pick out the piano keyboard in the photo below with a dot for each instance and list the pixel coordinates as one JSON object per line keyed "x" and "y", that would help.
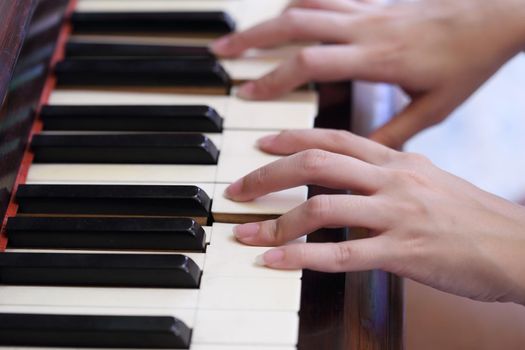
{"x": 237, "y": 303}
{"x": 123, "y": 237}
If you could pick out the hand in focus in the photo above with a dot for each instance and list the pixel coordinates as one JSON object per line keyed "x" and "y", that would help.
{"x": 424, "y": 223}
{"x": 438, "y": 51}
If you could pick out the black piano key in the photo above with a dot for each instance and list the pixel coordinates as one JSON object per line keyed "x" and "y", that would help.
{"x": 93, "y": 331}
{"x": 117, "y": 50}
{"x": 151, "y": 72}
{"x": 131, "y": 118}
{"x": 105, "y": 233}
{"x": 99, "y": 270}
{"x": 120, "y": 200}
{"x": 212, "y": 22}
{"x": 124, "y": 148}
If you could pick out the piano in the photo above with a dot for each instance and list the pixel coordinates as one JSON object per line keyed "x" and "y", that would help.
{"x": 119, "y": 131}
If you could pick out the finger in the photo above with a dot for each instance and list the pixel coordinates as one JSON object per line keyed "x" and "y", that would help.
{"x": 421, "y": 113}
{"x": 311, "y": 167}
{"x": 336, "y": 141}
{"x": 294, "y": 24}
{"x": 357, "y": 255}
{"x": 330, "y": 5}
{"x": 319, "y": 211}
{"x": 317, "y": 63}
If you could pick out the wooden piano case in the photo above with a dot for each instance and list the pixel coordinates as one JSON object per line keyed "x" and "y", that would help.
{"x": 338, "y": 311}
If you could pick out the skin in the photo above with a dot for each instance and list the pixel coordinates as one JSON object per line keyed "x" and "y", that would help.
{"x": 423, "y": 223}
{"x": 438, "y": 51}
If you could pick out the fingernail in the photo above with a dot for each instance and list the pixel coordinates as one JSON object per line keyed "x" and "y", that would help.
{"x": 220, "y": 45}
{"x": 246, "y": 90}
{"x": 233, "y": 190}
{"x": 246, "y": 230}
{"x": 270, "y": 257}
{"x": 266, "y": 141}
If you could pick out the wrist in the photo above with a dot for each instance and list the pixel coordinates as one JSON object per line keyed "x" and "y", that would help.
{"x": 512, "y": 14}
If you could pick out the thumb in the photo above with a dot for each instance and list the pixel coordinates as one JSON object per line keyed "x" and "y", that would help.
{"x": 424, "y": 111}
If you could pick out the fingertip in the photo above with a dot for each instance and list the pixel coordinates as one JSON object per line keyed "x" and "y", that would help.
{"x": 271, "y": 258}
{"x": 266, "y": 142}
{"x": 259, "y": 260}
{"x": 234, "y": 190}
{"x": 247, "y": 91}
{"x": 246, "y": 232}
{"x": 221, "y": 46}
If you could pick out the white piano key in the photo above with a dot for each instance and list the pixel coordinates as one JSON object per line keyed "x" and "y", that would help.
{"x": 230, "y": 168}
{"x": 226, "y": 257}
{"x": 242, "y": 69}
{"x": 231, "y": 293}
{"x": 192, "y": 347}
{"x": 209, "y": 232}
{"x": 256, "y": 11}
{"x": 234, "y": 139}
{"x": 225, "y": 230}
{"x": 240, "y": 347}
{"x": 246, "y": 328}
{"x": 245, "y": 13}
{"x": 154, "y": 298}
{"x": 92, "y": 97}
{"x": 155, "y": 5}
{"x": 293, "y": 111}
{"x": 240, "y": 154}
{"x": 254, "y": 63}
{"x": 160, "y": 174}
{"x": 270, "y": 205}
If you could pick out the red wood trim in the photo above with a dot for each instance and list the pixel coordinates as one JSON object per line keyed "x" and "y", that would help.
{"x": 50, "y": 84}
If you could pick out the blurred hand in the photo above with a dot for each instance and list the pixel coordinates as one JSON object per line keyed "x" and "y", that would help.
{"x": 438, "y": 51}
{"x": 425, "y": 224}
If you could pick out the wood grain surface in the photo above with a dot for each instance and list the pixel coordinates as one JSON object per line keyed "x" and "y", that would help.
{"x": 14, "y": 21}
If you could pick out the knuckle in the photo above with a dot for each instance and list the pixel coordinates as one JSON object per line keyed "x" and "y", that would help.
{"x": 313, "y": 161}
{"x": 269, "y": 83}
{"x": 309, "y": 3}
{"x": 301, "y": 254}
{"x": 306, "y": 58}
{"x": 239, "y": 40}
{"x": 292, "y": 137}
{"x": 257, "y": 179}
{"x": 342, "y": 255}
{"x": 414, "y": 209}
{"x": 277, "y": 232}
{"x": 287, "y": 135}
{"x": 407, "y": 177}
{"x": 318, "y": 208}
{"x": 339, "y": 136}
{"x": 416, "y": 159}
{"x": 376, "y": 19}
{"x": 293, "y": 19}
